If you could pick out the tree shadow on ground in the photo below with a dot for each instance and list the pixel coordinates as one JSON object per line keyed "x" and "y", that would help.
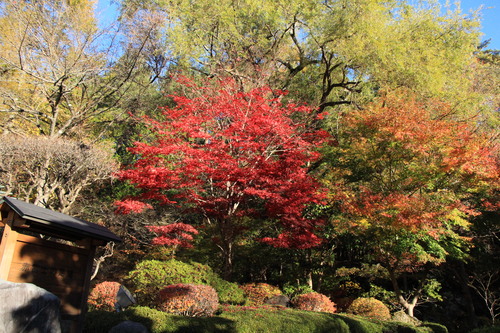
{"x": 156, "y": 321}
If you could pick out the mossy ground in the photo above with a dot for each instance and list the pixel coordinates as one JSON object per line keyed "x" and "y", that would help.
{"x": 237, "y": 319}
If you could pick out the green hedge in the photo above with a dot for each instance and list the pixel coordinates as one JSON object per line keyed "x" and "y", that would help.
{"x": 236, "y": 319}
{"x": 150, "y": 276}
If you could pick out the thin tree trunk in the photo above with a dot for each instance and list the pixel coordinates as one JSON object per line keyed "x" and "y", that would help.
{"x": 227, "y": 256}
{"x": 466, "y": 292}
{"x": 226, "y": 247}
{"x": 409, "y": 306}
{"x": 308, "y": 270}
{"x": 42, "y": 186}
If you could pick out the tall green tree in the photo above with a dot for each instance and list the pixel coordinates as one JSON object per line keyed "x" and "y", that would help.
{"x": 57, "y": 68}
{"x": 329, "y": 53}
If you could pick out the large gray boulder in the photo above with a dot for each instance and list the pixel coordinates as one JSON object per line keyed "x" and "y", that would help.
{"x": 27, "y": 308}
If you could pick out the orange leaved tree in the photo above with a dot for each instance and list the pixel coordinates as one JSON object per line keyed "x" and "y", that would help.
{"x": 408, "y": 175}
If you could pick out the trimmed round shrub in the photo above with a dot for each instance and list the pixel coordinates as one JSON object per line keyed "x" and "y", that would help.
{"x": 150, "y": 276}
{"x": 258, "y": 293}
{"x": 229, "y": 292}
{"x": 188, "y": 300}
{"x": 103, "y": 296}
{"x": 314, "y": 302}
{"x": 369, "y": 307}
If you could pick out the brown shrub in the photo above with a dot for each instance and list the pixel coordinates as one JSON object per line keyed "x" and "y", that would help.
{"x": 258, "y": 293}
{"x": 188, "y": 300}
{"x": 103, "y": 296}
{"x": 314, "y": 302}
{"x": 369, "y": 307}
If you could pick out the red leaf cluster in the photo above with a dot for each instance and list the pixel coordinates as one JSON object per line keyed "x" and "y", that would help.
{"x": 175, "y": 234}
{"x": 128, "y": 206}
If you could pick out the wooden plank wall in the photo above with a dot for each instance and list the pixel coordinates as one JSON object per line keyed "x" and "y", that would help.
{"x": 58, "y": 268}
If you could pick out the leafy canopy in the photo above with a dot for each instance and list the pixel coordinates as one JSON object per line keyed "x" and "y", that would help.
{"x": 329, "y": 53}
{"x": 229, "y": 154}
{"x": 410, "y": 174}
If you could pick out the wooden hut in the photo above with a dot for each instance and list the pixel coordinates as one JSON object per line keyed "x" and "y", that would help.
{"x": 51, "y": 250}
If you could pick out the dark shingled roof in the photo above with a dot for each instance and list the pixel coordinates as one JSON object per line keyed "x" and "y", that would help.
{"x": 59, "y": 223}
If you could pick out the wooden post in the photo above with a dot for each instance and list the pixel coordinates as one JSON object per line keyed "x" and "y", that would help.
{"x": 7, "y": 246}
{"x": 91, "y": 248}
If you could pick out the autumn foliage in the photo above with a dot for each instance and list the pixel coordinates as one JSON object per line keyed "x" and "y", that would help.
{"x": 369, "y": 307}
{"x": 175, "y": 234}
{"x": 314, "y": 302}
{"x": 226, "y": 148}
{"x": 411, "y": 167}
{"x": 407, "y": 175}
{"x": 103, "y": 296}
{"x": 188, "y": 300}
{"x": 258, "y": 293}
{"x": 229, "y": 154}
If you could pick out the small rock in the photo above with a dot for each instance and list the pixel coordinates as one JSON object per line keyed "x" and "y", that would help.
{"x": 403, "y": 317}
{"x": 280, "y": 300}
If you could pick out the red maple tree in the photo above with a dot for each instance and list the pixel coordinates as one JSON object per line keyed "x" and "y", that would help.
{"x": 228, "y": 155}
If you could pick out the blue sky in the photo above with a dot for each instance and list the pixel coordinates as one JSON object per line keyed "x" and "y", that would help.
{"x": 490, "y": 15}
{"x": 490, "y": 19}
